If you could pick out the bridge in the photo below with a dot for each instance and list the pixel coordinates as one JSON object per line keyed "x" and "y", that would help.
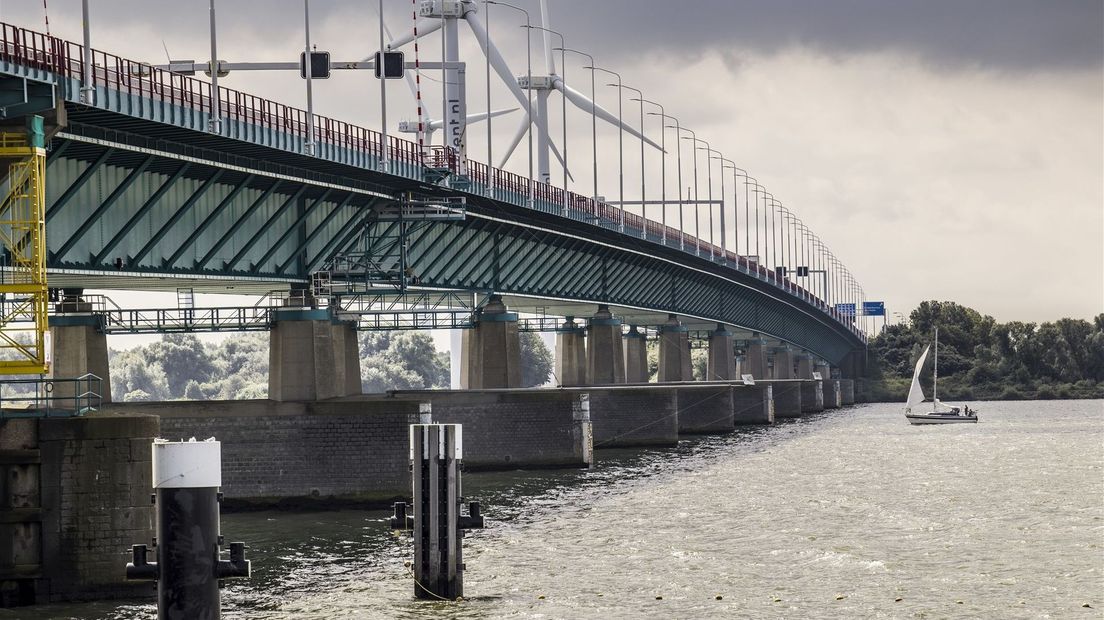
{"x": 355, "y": 229}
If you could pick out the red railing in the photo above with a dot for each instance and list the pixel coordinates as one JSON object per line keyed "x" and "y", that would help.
{"x": 38, "y": 51}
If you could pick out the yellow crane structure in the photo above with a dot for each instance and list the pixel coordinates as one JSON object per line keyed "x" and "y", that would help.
{"x": 24, "y": 297}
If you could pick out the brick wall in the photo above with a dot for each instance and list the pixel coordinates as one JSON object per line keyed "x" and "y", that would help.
{"x": 704, "y": 408}
{"x": 753, "y": 404}
{"x": 301, "y": 453}
{"x": 812, "y": 396}
{"x": 787, "y": 398}
{"x": 633, "y": 416}
{"x": 509, "y": 429}
{"x": 96, "y": 481}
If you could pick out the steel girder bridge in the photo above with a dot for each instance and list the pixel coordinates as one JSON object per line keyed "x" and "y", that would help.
{"x": 140, "y": 195}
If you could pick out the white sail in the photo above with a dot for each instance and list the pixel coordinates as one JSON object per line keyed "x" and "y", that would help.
{"x": 916, "y": 394}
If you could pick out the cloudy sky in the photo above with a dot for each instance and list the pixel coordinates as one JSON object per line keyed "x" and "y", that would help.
{"x": 943, "y": 149}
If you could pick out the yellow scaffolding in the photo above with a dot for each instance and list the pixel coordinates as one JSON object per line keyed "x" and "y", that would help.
{"x": 24, "y": 301}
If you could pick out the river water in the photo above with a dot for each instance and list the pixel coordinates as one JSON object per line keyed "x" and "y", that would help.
{"x": 847, "y": 514}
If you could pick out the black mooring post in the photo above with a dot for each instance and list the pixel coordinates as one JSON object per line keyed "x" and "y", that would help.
{"x": 436, "y": 452}
{"x": 188, "y": 570}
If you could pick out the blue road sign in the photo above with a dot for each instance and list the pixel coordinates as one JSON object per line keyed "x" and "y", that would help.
{"x": 846, "y": 309}
{"x": 874, "y": 308}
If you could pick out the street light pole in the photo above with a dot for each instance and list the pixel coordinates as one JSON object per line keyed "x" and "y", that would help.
{"x": 593, "y": 119}
{"x": 697, "y": 203}
{"x": 620, "y": 146}
{"x": 643, "y": 194}
{"x": 709, "y": 184}
{"x": 563, "y": 107}
{"x": 528, "y": 86}
{"x": 678, "y": 158}
{"x": 662, "y": 165}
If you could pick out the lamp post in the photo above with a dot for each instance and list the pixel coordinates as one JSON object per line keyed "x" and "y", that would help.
{"x": 563, "y": 106}
{"x": 709, "y": 179}
{"x": 662, "y": 165}
{"x": 643, "y": 193}
{"x": 620, "y": 145}
{"x": 678, "y": 158}
{"x": 593, "y": 118}
{"x": 756, "y": 188}
{"x": 697, "y": 218}
{"x": 528, "y": 87}
{"x": 720, "y": 210}
{"x": 727, "y": 163}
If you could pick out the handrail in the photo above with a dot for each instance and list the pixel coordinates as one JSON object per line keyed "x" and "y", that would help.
{"x": 45, "y": 52}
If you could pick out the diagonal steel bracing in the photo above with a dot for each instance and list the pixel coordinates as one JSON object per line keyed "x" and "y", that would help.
{"x": 179, "y": 213}
{"x": 260, "y": 234}
{"x": 133, "y": 220}
{"x": 121, "y": 189}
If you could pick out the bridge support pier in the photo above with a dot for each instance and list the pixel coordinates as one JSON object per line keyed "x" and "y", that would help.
{"x": 674, "y": 352}
{"x": 605, "y": 362}
{"x": 636, "y": 357}
{"x": 491, "y": 351}
{"x": 79, "y": 347}
{"x": 722, "y": 356}
{"x": 787, "y": 392}
{"x": 755, "y": 360}
{"x": 311, "y": 357}
{"x": 753, "y": 404}
{"x": 571, "y": 354}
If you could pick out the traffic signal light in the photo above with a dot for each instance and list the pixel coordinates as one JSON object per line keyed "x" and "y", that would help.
{"x": 391, "y": 67}
{"x": 320, "y": 65}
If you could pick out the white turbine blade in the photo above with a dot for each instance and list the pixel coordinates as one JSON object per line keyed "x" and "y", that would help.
{"x": 424, "y": 25}
{"x": 513, "y": 143}
{"x": 545, "y": 22}
{"x": 481, "y": 116}
{"x": 583, "y": 102}
{"x": 496, "y": 60}
{"x": 559, "y": 158}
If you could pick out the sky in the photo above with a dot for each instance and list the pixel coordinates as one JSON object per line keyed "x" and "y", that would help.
{"x": 942, "y": 149}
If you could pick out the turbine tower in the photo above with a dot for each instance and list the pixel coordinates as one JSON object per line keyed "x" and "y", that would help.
{"x": 436, "y": 14}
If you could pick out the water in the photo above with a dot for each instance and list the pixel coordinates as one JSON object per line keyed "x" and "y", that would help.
{"x": 847, "y": 514}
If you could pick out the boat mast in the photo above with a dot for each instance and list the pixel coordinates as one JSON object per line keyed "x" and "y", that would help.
{"x": 935, "y": 370}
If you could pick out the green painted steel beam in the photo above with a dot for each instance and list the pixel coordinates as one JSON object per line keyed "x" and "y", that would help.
{"x": 241, "y": 220}
{"x": 223, "y": 204}
{"x": 77, "y": 184}
{"x": 302, "y": 247}
{"x": 179, "y": 213}
{"x": 108, "y": 202}
{"x": 295, "y": 227}
{"x": 339, "y": 243}
{"x": 259, "y": 234}
{"x": 132, "y": 221}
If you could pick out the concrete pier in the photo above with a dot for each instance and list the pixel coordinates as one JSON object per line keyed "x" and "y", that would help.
{"x": 491, "y": 356}
{"x": 636, "y": 357}
{"x": 752, "y": 404}
{"x": 78, "y": 347}
{"x": 311, "y": 357}
{"x": 783, "y": 364}
{"x": 571, "y": 354}
{"x": 722, "y": 356}
{"x": 705, "y": 408}
{"x": 674, "y": 352}
{"x": 756, "y": 358}
{"x": 606, "y": 359}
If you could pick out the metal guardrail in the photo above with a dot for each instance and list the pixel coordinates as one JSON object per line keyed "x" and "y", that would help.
{"x": 36, "y": 50}
{"x": 50, "y": 398}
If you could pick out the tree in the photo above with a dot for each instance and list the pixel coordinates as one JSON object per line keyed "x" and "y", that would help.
{"x": 536, "y": 360}
{"x": 405, "y": 360}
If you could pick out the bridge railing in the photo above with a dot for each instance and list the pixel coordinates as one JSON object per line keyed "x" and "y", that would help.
{"x": 40, "y": 51}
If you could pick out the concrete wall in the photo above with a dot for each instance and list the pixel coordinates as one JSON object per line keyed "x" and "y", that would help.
{"x": 300, "y": 453}
{"x": 812, "y": 396}
{"x": 704, "y": 408}
{"x": 633, "y": 416}
{"x": 752, "y": 404}
{"x": 75, "y": 495}
{"x": 510, "y": 429}
{"x": 787, "y": 398}
{"x": 832, "y": 395}
{"x": 847, "y": 391}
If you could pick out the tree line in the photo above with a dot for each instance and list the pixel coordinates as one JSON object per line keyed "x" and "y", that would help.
{"x": 980, "y": 358}
{"x": 182, "y": 367}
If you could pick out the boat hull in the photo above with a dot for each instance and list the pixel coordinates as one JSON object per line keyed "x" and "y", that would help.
{"x": 940, "y": 418}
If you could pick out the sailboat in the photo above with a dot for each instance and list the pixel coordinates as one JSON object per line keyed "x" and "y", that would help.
{"x": 940, "y": 413}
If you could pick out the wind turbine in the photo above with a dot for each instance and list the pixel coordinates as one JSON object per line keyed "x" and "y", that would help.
{"x": 429, "y": 125}
{"x": 437, "y": 14}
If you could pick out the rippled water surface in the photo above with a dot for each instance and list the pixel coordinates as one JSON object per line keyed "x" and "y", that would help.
{"x": 846, "y": 514}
